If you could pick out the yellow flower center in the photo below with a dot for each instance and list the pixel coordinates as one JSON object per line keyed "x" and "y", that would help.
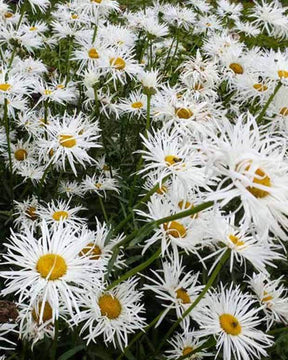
{"x": 198, "y": 86}
{"x": 20, "y": 154}
{"x": 183, "y": 205}
{"x": 47, "y": 92}
{"x": 93, "y": 251}
{"x": 175, "y": 229}
{"x": 8, "y": 15}
{"x": 171, "y": 160}
{"x": 183, "y": 296}
{"x": 97, "y": 1}
{"x": 31, "y": 213}
{"x": 60, "y": 86}
{"x": 106, "y": 167}
{"x": 109, "y": 306}
{"x": 230, "y": 324}
{"x": 283, "y": 74}
{"x": 267, "y": 297}
{"x": 118, "y": 63}
{"x": 60, "y": 215}
{"x": 261, "y": 179}
{"x": 67, "y": 141}
{"x": 93, "y": 54}
{"x": 236, "y": 68}
{"x": 162, "y": 190}
{"x": 184, "y": 113}
{"x": 51, "y": 266}
{"x": 187, "y": 350}
{"x": 284, "y": 111}
{"x": 235, "y": 240}
{"x": 260, "y": 87}
{"x": 74, "y": 16}
{"x": 33, "y": 28}
{"x": 47, "y": 312}
{"x": 98, "y": 185}
{"x": 5, "y": 87}
{"x": 137, "y": 105}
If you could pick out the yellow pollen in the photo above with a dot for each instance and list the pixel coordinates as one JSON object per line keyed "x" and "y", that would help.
{"x": 60, "y": 86}
{"x": 183, "y": 296}
{"x": 175, "y": 229}
{"x": 283, "y": 74}
{"x": 118, "y": 63}
{"x": 98, "y": 185}
{"x": 183, "y": 205}
{"x": 47, "y": 92}
{"x": 162, "y": 190}
{"x": 20, "y": 154}
{"x": 187, "y": 350}
{"x": 97, "y": 1}
{"x": 93, "y": 251}
{"x": 137, "y": 105}
{"x": 106, "y": 167}
{"x": 93, "y": 54}
{"x": 236, "y": 68}
{"x": 51, "y": 266}
{"x": 184, "y": 113}
{"x": 51, "y": 153}
{"x": 74, "y": 16}
{"x": 31, "y": 213}
{"x": 230, "y": 324}
{"x": 260, "y": 87}
{"x": 33, "y": 28}
{"x": 267, "y": 297}
{"x": 5, "y": 87}
{"x": 8, "y": 15}
{"x": 171, "y": 160}
{"x": 284, "y": 111}
{"x": 261, "y": 179}
{"x": 109, "y": 306}
{"x": 198, "y": 86}
{"x": 60, "y": 215}
{"x": 67, "y": 141}
{"x": 208, "y": 24}
{"x": 235, "y": 240}
{"x": 47, "y": 312}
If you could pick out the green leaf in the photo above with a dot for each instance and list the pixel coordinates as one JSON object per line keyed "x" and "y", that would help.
{"x": 68, "y": 354}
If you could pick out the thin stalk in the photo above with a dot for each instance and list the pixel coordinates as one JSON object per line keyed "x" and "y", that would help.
{"x": 210, "y": 282}
{"x": 103, "y": 209}
{"x": 140, "y": 334}
{"x": 263, "y": 112}
{"x": 148, "y": 115}
{"x": 68, "y": 62}
{"x": 7, "y": 131}
{"x": 95, "y": 33}
{"x": 135, "y": 270}
{"x": 55, "y": 341}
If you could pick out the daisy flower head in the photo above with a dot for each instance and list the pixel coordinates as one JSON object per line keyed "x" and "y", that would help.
{"x": 174, "y": 287}
{"x": 54, "y": 92}
{"x": 134, "y": 105}
{"x": 100, "y": 184}
{"x": 98, "y": 8}
{"x": 275, "y": 66}
{"x": 245, "y": 245}
{"x": 184, "y": 343}
{"x": 231, "y": 317}
{"x": 50, "y": 268}
{"x": 23, "y": 152}
{"x": 149, "y": 81}
{"x": 27, "y": 212}
{"x": 42, "y": 5}
{"x": 225, "y": 8}
{"x": 5, "y": 330}
{"x": 58, "y": 212}
{"x": 115, "y": 313}
{"x": 179, "y": 16}
{"x": 70, "y": 188}
{"x": 70, "y": 138}
{"x": 272, "y": 296}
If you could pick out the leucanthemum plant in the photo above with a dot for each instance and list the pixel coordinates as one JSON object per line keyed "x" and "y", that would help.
{"x": 143, "y": 168}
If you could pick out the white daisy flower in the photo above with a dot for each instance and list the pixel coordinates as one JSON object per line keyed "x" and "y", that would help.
{"x": 27, "y": 212}
{"x": 115, "y": 313}
{"x": 99, "y": 184}
{"x": 5, "y": 330}
{"x": 70, "y": 188}
{"x": 272, "y": 296}
{"x": 232, "y": 319}
{"x": 50, "y": 268}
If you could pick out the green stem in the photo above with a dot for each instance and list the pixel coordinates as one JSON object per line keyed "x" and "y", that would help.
{"x": 55, "y": 341}
{"x": 140, "y": 334}
{"x": 94, "y": 33}
{"x": 7, "y": 131}
{"x": 210, "y": 282}
{"x": 135, "y": 270}
{"x": 68, "y": 63}
{"x": 103, "y": 209}
{"x": 263, "y": 112}
{"x": 148, "y": 120}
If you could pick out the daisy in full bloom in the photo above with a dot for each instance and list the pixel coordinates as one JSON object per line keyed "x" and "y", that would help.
{"x": 174, "y": 287}
{"x": 244, "y": 246}
{"x": 50, "y": 267}
{"x": 232, "y": 319}
{"x": 251, "y": 168}
{"x": 59, "y": 212}
{"x": 135, "y": 105}
{"x": 27, "y": 212}
{"x": 114, "y": 313}
{"x": 272, "y": 296}
{"x": 100, "y": 184}
{"x": 70, "y": 138}
{"x": 184, "y": 343}
{"x": 70, "y": 188}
